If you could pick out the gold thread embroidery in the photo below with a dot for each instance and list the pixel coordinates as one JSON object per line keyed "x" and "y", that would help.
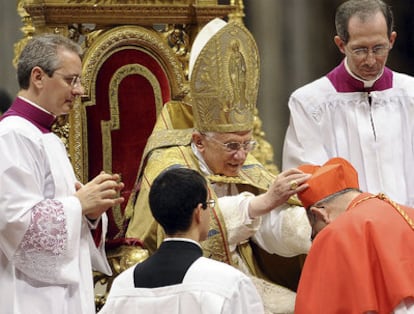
{"x": 383, "y": 197}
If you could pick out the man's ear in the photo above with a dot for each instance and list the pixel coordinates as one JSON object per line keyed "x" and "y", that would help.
{"x": 197, "y": 213}
{"x": 321, "y": 213}
{"x": 393, "y": 37}
{"x": 37, "y": 76}
{"x": 197, "y": 139}
{"x": 340, "y": 44}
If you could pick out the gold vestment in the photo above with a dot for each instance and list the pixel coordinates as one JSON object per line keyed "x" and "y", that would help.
{"x": 168, "y": 146}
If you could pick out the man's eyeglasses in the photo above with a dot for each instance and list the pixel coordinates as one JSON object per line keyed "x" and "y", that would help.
{"x": 377, "y": 51}
{"x": 72, "y": 80}
{"x": 233, "y": 147}
{"x": 210, "y": 203}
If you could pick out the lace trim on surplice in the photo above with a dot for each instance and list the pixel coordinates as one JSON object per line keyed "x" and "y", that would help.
{"x": 44, "y": 242}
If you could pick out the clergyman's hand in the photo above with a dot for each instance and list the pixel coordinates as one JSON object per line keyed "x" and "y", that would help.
{"x": 99, "y": 194}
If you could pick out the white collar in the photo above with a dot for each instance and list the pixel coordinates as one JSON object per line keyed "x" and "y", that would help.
{"x": 203, "y": 165}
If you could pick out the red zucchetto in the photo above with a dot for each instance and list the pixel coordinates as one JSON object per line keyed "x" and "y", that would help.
{"x": 335, "y": 175}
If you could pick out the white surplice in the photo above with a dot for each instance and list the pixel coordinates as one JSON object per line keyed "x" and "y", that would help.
{"x": 373, "y": 130}
{"x": 46, "y": 246}
{"x": 208, "y": 287}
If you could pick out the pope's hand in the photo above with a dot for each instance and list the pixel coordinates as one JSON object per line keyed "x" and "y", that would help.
{"x": 286, "y": 184}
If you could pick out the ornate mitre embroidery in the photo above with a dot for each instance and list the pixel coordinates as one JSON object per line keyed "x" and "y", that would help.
{"x": 224, "y": 81}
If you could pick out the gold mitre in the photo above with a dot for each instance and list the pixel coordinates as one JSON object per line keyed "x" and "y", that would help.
{"x": 224, "y": 77}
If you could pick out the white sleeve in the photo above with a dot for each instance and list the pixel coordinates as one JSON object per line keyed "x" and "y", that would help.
{"x": 245, "y": 299}
{"x": 285, "y": 231}
{"x": 20, "y": 188}
{"x": 240, "y": 227}
{"x": 303, "y": 140}
{"x": 98, "y": 253}
{"x": 33, "y": 228}
{"x": 41, "y": 221}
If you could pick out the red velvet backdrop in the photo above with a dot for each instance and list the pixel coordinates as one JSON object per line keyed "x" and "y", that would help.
{"x": 137, "y": 110}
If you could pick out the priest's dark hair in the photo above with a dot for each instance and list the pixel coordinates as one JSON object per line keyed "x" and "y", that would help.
{"x": 174, "y": 195}
{"x": 362, "y": 9}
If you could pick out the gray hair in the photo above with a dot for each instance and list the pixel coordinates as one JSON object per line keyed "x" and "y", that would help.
{"x": 42, "y": 51}
{"x": 331, "y": 197}
{"x": 362, "y": 9}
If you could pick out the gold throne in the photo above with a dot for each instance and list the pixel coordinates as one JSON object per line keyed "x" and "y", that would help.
{"x": 135, "y": 60}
